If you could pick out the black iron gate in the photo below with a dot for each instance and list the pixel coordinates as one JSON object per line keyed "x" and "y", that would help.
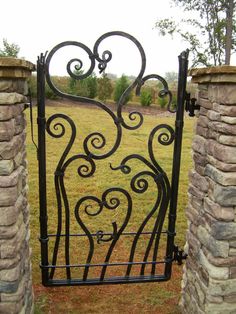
{"x": 77, "y": 248}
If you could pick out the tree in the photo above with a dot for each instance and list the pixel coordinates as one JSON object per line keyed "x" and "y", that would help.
{"x": 9, "y": 50}
{"x": 104, "y": 88}
{"x": 145, "y": 98}
{"x": 121, "y": 85}
{"x": 84, "y": 88}
{"x": 212, "y": 36}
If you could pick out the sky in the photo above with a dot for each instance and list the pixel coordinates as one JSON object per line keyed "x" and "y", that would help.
{"x": 38, "y": 25}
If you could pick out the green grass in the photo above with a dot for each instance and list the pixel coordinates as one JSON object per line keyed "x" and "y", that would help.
{"x": 88, "y": 121}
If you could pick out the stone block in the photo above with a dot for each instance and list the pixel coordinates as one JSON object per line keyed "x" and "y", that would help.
{"x": 18, "y": 160}
{"x": 220, "y": 164}
{"x": 222, "y": 93}
{"x": 223, "y": 178}
{"x": 232, "y": 271}
{"x": 217, "y": 248}
{"x": 214, "y": 299}
{"x": 198, "y": 181}
{"x": 8, "y": 150}
{"x": 219, "y": 261}
{"x": 225, "y": 110}
{"x": 8, "y": 216}
{"x": 199, "y": 169}
{"x": 229, "y": 120}
{"x": 8, "y": 287}
{"x": 12, "y": 274}
{"x": 6, "y": 167}
{"x": 9, "y": 196}
{"x": 226, "y": 308}
{"x": 202, "y": 131}
{"x": 12, "y": 179}
{"x": 7, "y": 129}
{"x": 224, "y": 153}
{"x": 223, "y": 128}
{"x": 213, "y": 134}
{"x": 11, "y": 307}
{"x": 202, "y": 121}
{"x": 217, "y": 211}
{"x": 202, "y": 94}
{"x": 195, "y": 192}
{"x": 214, "y": 272}
{"x": 232, "y": 252}
{"x": 227, "y": 140}
{"x": 223, "y": 230}
{"x": 199, "y": 159}
{"x": 203, "y": 111}
{"x": 14, "y": 85}
{"x": 213, "y": 115}
{"x": 8, "y": 112}
{"x": 225, "y": 196}
{"x": 20, "y": 124}
{"x": 222, "y": 287}
{"x": 11, "y": 247}
{"x": 205, "y": 103}
{"x": 16, "y": 296}
{"x": 199, "y": 145}
{"x": 12, "y": 98}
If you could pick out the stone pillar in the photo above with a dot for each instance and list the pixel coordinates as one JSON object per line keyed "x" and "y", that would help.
{"x": 209, "y": 279}
{"x": 16, "y": 294}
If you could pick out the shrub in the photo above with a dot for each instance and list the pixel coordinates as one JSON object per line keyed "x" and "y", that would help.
{"x": 163, "y": 101}
{"x": 84, "y": 88}
{"x": 145, "y": 98}
{"x": 121, "y": 85}
{"x": 104, "y": 88}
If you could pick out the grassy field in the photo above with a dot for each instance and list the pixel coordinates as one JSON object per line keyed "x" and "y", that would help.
{"x": 133, "y": 298}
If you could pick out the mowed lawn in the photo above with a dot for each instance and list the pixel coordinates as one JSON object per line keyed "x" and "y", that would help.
{"x": 129, "y": 298}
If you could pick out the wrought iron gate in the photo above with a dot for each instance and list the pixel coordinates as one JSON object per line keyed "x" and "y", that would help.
{"x": 77, "y": 248}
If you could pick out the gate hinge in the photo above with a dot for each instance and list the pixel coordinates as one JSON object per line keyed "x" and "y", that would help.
{"x": 190, "y": 105}
{"x": 179, "y": 255}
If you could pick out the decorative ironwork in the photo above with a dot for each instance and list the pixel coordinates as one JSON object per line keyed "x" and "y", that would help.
{"x": 95, "y": 148}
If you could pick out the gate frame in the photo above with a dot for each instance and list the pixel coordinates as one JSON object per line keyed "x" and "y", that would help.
{"x": 172, "y": 252}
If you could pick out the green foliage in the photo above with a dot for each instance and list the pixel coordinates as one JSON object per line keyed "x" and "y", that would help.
{"x": 84, "y": 88}
{"x": 9, "y": 50}
{"x": 49, "y": 94}
{"x": 120, "y": 87}
{"x": 104, "y": 88}
{"x": 145, "y": 98}
{"x": 163, "y": 101}
{"x": 211, "y": 36}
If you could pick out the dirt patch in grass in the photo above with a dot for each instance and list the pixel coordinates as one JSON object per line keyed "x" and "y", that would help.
{"x": 150, "y": 110}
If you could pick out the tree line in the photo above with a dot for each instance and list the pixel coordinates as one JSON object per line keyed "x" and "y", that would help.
{"x": 106, "y": 89}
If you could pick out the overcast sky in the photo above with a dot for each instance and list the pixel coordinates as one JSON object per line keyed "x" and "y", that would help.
{"x": 38, "y": 25}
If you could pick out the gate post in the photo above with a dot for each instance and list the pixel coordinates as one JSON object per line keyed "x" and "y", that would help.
{"x": 16, "y": 294}
{"x": 209, "y": 279}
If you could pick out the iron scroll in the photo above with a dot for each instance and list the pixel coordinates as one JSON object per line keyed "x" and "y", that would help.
{"x": 111, "y": 199}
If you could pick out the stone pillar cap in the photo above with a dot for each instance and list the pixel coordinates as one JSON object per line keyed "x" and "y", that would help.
{"x": 216, "y": 74}
{"x": 15, "y": 68}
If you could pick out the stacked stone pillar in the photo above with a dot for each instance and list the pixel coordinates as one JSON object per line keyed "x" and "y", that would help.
{"x": 209, "y": 279}
{"x": 15, "y": 270}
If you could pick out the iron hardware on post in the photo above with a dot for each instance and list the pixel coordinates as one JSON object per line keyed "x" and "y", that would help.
{"x": 190, "y": 105}
{"x": 179, "y": 255}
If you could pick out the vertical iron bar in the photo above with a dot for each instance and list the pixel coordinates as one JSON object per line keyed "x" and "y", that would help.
{"x": 182, "y": 81}
{"x": 42, "y": 167}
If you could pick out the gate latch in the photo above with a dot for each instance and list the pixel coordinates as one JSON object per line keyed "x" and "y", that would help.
{"x": 190, "y": 105}
{"x": 179, "y": 255}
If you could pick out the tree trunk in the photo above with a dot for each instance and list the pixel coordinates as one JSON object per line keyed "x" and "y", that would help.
{"x": 229, "y": 28}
